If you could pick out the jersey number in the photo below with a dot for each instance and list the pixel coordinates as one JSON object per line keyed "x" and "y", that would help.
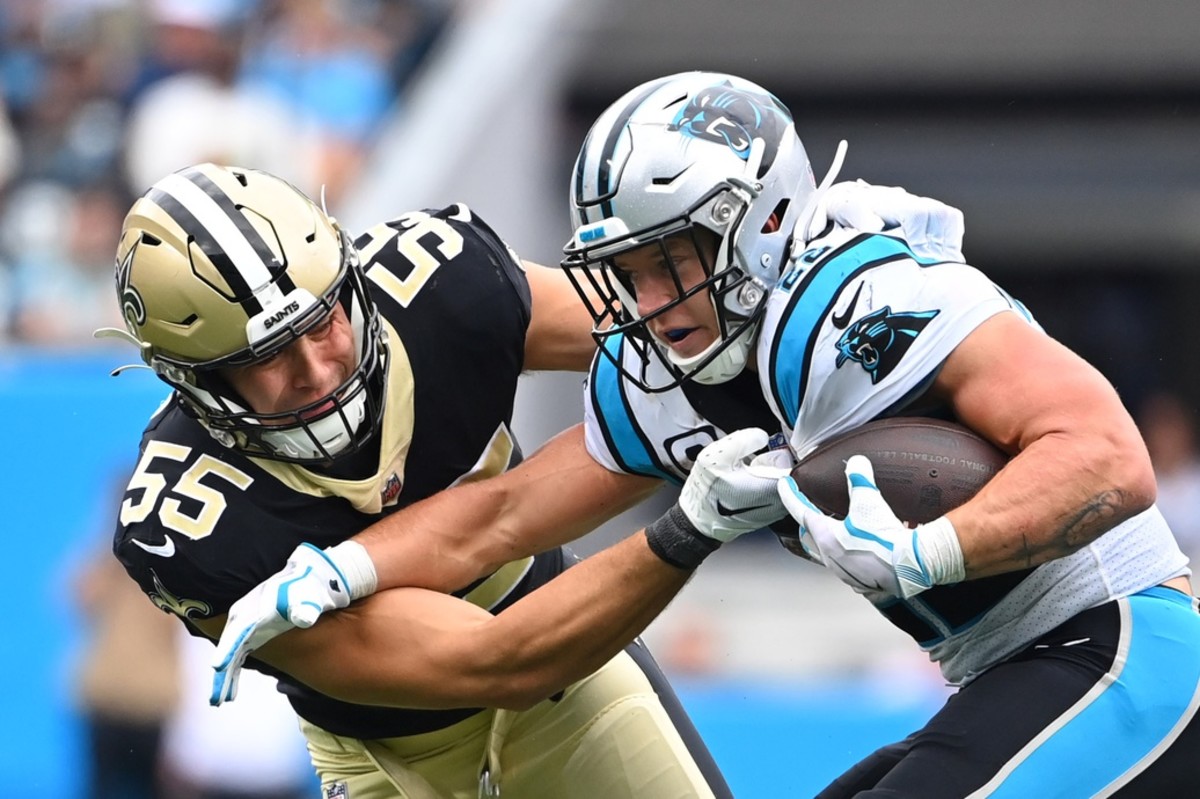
{"x": 210, "y": 500}
{"x": 416, "y": 244}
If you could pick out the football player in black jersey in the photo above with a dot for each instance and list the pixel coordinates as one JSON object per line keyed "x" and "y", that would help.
{"x": 321, "y": 384}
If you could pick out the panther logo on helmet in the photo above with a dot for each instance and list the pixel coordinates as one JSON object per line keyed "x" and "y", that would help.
{"x": 735, "y": 118}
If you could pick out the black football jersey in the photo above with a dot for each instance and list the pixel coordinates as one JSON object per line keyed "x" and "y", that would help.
{"x": 200, "y": 524}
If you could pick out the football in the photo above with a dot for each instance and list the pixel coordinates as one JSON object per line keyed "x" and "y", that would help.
{"x": 923, "y": 467}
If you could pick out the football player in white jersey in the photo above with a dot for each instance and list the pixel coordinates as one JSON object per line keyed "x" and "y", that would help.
{"x": 725, "y": 297}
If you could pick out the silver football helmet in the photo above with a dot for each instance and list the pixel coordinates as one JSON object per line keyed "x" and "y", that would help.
{"x": 674, "y": 156}
{"x": 219, "y": 267}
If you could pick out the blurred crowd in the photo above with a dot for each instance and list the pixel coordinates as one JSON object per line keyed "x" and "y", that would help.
{"x": 141, "y": 686}
{"x": 101, "y": 98}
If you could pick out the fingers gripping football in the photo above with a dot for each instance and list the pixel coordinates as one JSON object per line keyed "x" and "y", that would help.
{"x": 871, "y": 549}
{"x": 729, "y": 492}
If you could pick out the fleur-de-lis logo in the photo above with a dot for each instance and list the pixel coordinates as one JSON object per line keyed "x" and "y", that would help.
{"x": 133, "y": 309}
{"x": 170, "y": 603}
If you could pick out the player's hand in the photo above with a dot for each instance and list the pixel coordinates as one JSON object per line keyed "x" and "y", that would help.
{"x": 313, "y": 581}
{"x": 730, "y": 491}
{"x": 931, "y": 228}
{"x": 871, "y": 550}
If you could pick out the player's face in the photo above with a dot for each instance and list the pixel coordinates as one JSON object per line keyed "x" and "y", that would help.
{"x": 311, "y": 367}
{"x": 689, "y": 327}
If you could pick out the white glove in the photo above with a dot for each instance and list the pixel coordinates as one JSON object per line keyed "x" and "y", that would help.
{"x": 313, "y": 582}
{"x": 931, "y": 228}
{"x": 730, "y": 492}
{"x": 871, "y": 550}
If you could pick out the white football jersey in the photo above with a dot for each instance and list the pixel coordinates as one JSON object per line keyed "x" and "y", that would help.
{"x": 856, "y": 330}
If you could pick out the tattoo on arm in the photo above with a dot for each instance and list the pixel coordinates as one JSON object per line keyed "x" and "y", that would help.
{"x": 1100, "y": 513}
{"x": 1097, "y": 515}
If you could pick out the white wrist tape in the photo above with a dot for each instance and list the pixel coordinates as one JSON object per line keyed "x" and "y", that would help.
{"x": 356, "y": 566}
{"x": 941, "y": 552}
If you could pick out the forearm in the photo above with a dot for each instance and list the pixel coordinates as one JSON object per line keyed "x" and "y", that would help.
{"x": 1079, "y": 465}
{"x": 1056, "y": 497}
{"x": 577, "y": 622}
{"x": 444, "y": 542}
{"x": 454, "y": 537}
{"x": 429, "y": 650}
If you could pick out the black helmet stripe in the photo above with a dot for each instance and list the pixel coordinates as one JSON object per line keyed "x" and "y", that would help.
{"x": 226, "y": 204}
{"x": 223, "y": 233}
{"x": 604, "y": 187}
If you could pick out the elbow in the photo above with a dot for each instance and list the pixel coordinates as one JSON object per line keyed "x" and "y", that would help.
{"x": 1140, "y": 489}
{"x": 1132, "y": 475}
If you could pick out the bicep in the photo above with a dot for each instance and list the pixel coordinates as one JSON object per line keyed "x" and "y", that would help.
{"x": 1015, "y": 385}
{"x": 560, "y": 329}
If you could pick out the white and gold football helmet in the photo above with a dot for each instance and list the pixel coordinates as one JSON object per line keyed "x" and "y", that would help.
{"x": 221, "y": 266}
{"x": 677, "y": 155}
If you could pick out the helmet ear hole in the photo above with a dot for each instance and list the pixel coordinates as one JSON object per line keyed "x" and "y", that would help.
{"x": 776, "y": 217}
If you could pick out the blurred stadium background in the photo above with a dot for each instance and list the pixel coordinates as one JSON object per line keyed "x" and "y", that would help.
{"x": 1066, "y": 132}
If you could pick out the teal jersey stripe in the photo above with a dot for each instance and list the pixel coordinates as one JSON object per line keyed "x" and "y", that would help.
{"x": 809, "y": 305}
{"x": 633, "y": 453}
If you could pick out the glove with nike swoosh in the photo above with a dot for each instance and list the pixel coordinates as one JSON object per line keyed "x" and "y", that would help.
{"x": 931, "y": 228}
{"x": 871, "y": 550}
{"x": 313, "y": 581}
{"x": 730, "y": 491}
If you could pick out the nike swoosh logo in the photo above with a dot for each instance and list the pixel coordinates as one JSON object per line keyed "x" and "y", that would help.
{"x": 162, "y": 550}
{"x": 727, "y": 511}
{"x": 842, "y": 321}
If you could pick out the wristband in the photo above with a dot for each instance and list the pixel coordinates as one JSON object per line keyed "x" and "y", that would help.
{"x": 941, "y": 552}
{"x": 677, "y": 541}
{"x": 356, "y": 566}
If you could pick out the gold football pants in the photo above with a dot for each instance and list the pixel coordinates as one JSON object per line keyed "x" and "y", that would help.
{"x": 608, "y": 737}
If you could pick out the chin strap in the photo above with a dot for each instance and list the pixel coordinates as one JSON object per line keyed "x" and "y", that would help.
{"x": 128, "y": 338}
